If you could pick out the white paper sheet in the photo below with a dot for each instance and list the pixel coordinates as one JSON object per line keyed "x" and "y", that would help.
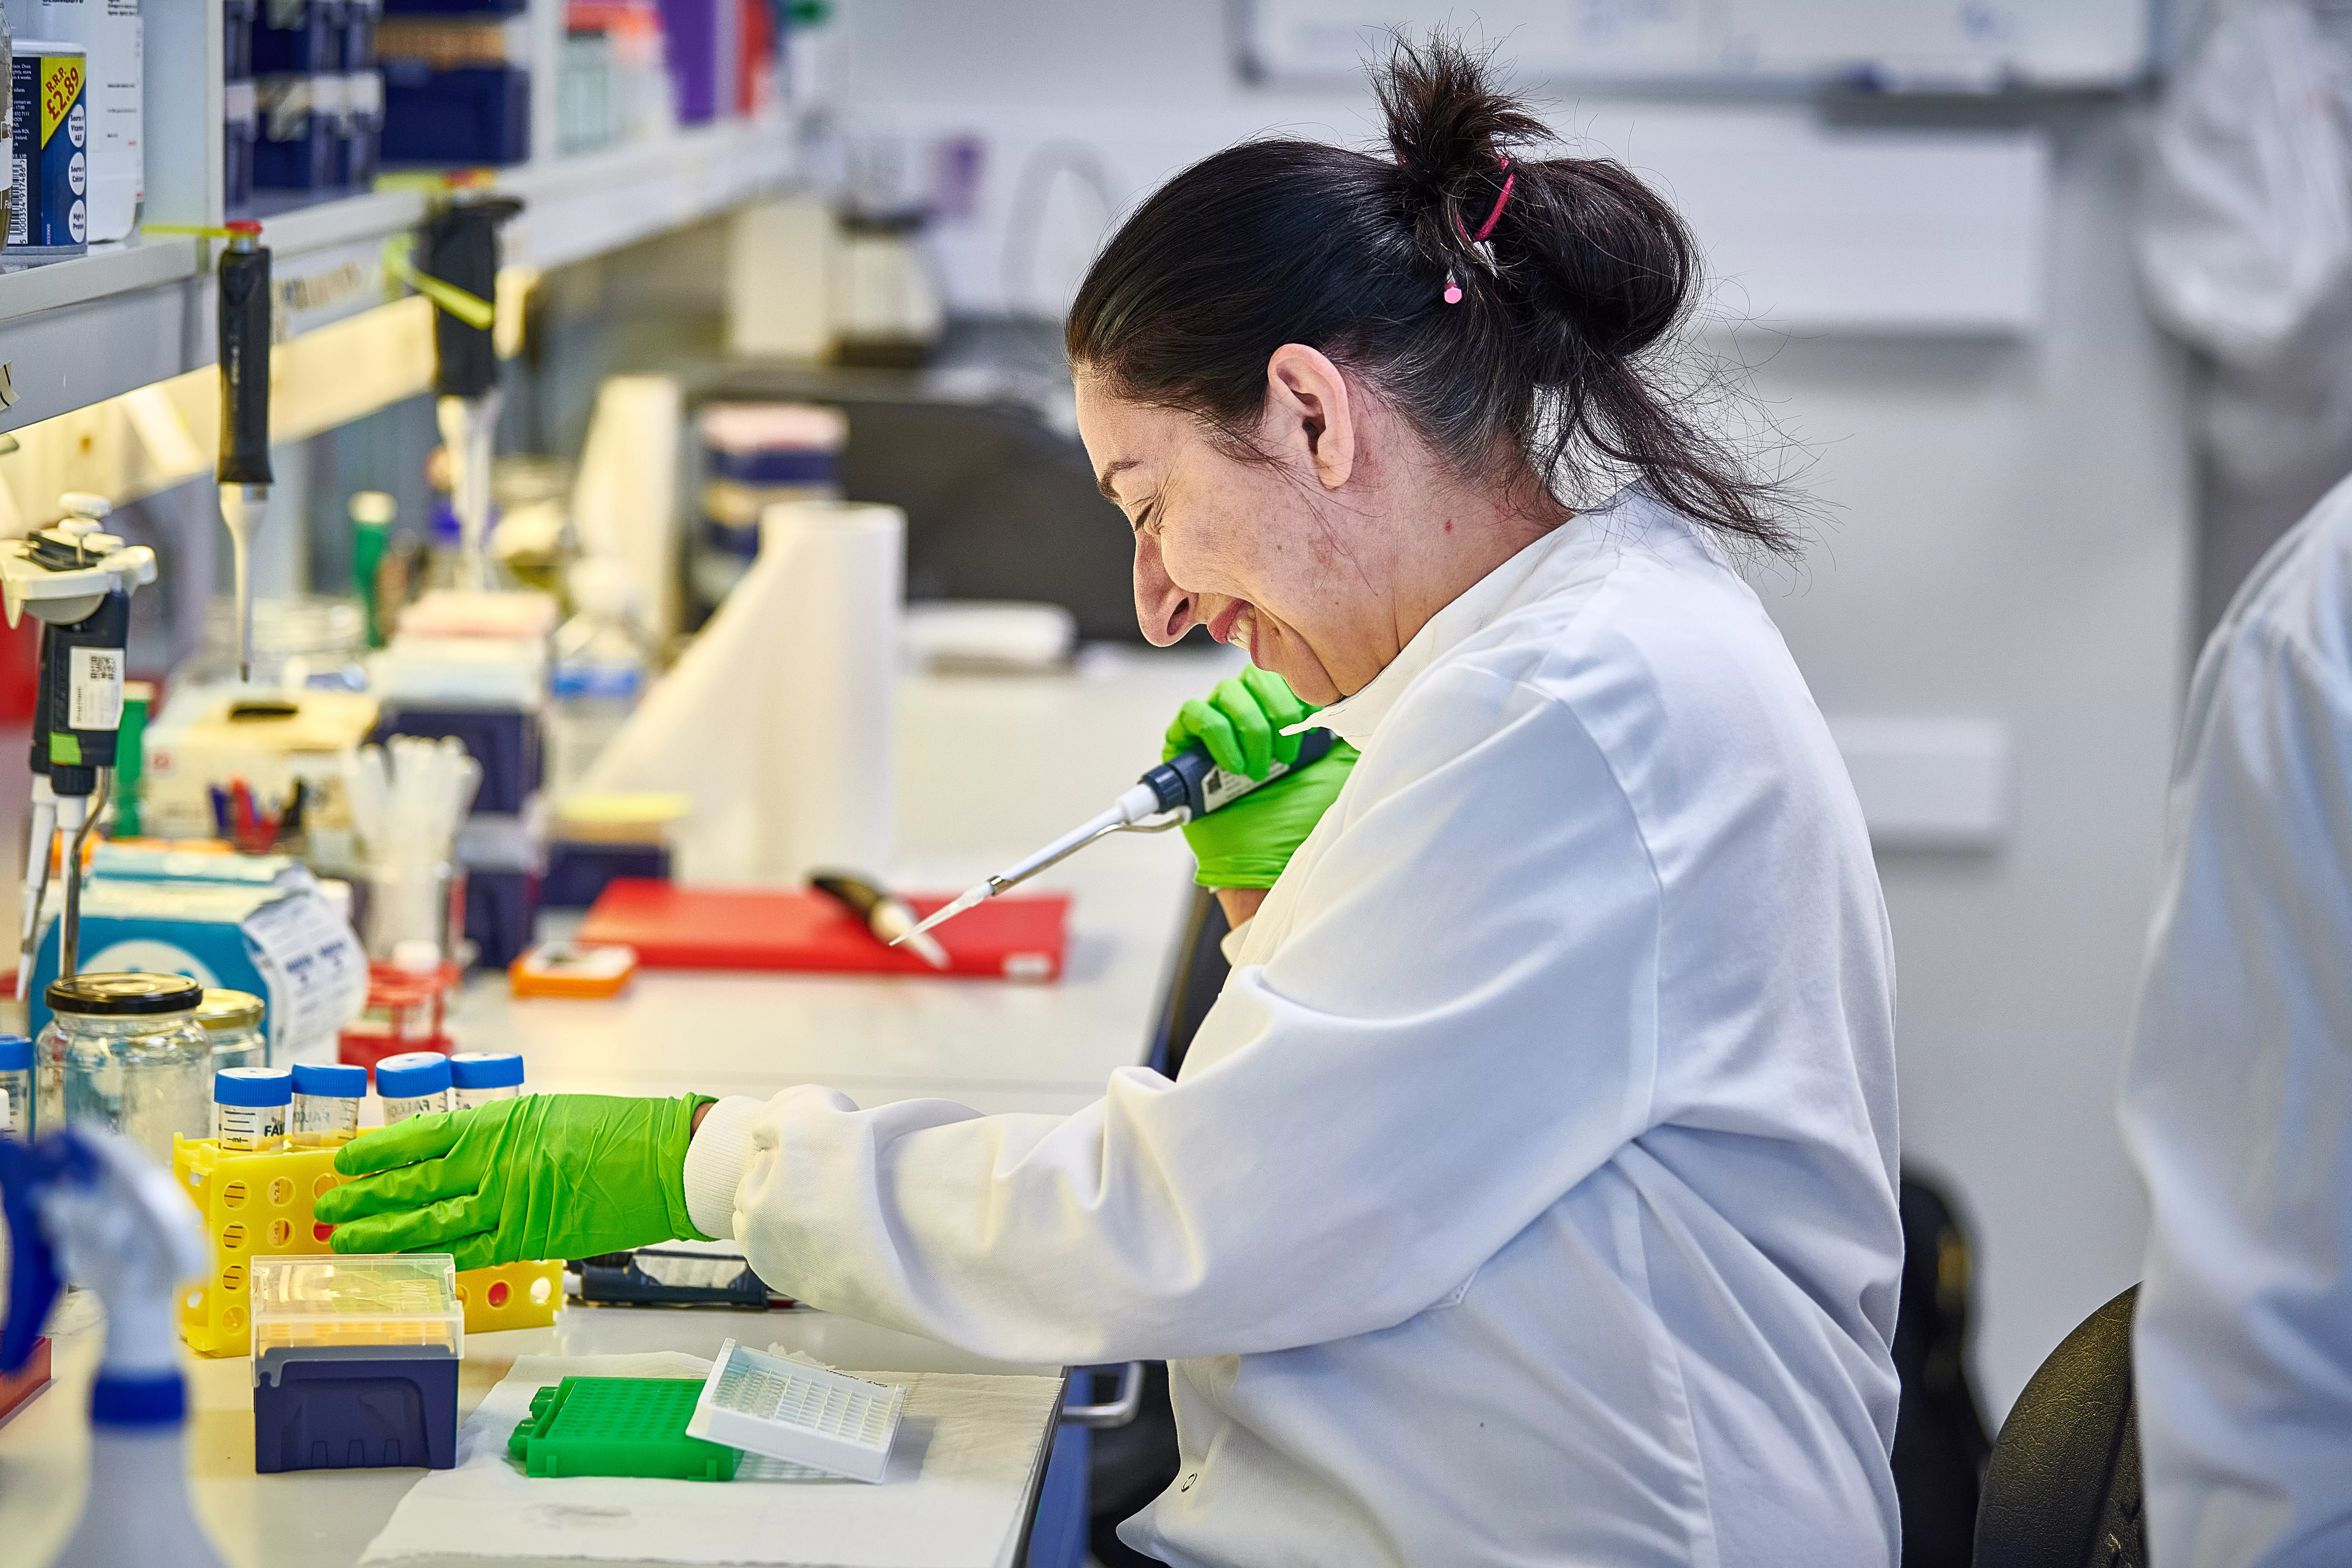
{"x": 952, "y": 1498}
{"x": 314, "y": 966}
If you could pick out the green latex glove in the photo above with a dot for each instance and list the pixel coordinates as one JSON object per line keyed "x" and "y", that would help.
{"x": 545, "y": 1175}
{"x": 1247, "y": 844}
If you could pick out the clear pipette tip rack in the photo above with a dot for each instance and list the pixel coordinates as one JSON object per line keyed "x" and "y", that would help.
{"x": 804, "y": 1416}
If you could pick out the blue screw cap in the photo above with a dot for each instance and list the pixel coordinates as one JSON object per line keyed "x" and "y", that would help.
{"x": 486, "y": 1069}
{"x": 332, "y": 1080}
{"x": 253, "y": 1086}
{"x": 412, "y": 1074}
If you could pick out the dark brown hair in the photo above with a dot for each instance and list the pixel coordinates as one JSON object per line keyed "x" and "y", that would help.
{"x": 1551, "y": 355}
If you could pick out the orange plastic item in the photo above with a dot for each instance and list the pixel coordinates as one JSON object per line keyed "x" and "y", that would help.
{"x": 568, "y": 969}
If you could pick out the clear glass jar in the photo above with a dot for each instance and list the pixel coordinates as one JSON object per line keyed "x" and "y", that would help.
{"x": 298, "y": 640}
{"x": 126, "y": 1050}
{"x": 412, "y": 900}
{"x": 232, "y": 1021}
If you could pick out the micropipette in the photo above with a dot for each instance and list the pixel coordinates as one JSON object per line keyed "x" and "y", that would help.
{"x": 462, "y": 259}
{"x": 242, "y": 276}
{"x": 1186, "y": 785}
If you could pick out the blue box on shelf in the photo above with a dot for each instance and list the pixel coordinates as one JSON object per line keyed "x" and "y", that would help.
{"x": 576, "y": 873}
{"x": 300, "y": 142}
{"x": 501, "y": 912}
{"x": 310, "y": 41}
{"x": 353, "y": 1407}
{"x": 477, "y": 114}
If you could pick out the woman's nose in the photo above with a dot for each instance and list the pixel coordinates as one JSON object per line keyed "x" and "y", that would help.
{"x": 1164, "y": 611}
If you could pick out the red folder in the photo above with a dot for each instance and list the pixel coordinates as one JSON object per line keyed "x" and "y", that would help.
{"x": 1014, "y": 936}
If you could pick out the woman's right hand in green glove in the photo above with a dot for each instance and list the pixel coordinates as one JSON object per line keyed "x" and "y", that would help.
{"x": 1247, "y": 844}
{"x": 546, "y": 1175}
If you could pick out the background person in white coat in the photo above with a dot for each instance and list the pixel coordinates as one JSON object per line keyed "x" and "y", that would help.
{"x": 1528, "y": 1196}
{"x": 2237, "y": 1102}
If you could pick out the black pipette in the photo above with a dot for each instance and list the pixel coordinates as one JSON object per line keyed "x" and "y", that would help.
{"x": 1186, "y": 785}
{"x": 242, "y": 276}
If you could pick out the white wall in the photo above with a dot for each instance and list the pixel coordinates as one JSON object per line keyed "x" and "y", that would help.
{"x": 2008, "y": 539}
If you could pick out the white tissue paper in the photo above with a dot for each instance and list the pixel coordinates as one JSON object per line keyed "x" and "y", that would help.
{"x": 624, "y": 502}
{"x": 777, "y": 724}
{"x": 953, "y": 1497}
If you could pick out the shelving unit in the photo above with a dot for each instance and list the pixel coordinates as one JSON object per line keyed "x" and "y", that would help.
{"x": 81, "y": 333}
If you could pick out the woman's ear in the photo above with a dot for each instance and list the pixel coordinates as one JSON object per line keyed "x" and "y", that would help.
{"x": 1309, "y": 413}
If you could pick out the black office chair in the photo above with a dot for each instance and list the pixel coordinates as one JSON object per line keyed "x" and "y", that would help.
{"x": 2063, "y": 1489}
{"x": 1940, "y": 1442}
{"x": 1132, "y": 1465}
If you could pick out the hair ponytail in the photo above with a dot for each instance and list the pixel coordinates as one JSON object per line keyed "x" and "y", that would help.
{"x": 1583, "y": 274}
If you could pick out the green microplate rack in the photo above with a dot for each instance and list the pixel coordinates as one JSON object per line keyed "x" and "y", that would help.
{"x": 619, "y": 1426}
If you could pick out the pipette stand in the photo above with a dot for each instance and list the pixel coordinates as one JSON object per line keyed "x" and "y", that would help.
{"x": 259, "y": 1205}
{"x": 62, "y": 575}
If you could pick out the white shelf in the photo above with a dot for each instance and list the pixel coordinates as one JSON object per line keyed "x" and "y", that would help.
{"x": 78, "y": 331}
{"x": 574, "y": 209}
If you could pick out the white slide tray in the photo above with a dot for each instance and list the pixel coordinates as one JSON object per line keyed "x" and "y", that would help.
{"x": 788, "y": 1410}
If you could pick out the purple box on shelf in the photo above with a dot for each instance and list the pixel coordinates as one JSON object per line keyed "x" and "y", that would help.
{"x": 699, "y": 46}
{"x": 479, "y": 114}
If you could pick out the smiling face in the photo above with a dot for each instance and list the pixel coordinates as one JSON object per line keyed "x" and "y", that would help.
{"x": 1323, "y": 559}
{"x": 1270, "y": 556}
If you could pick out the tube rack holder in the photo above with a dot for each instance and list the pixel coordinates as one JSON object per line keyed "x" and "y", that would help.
{"x": 259, "y": 1206}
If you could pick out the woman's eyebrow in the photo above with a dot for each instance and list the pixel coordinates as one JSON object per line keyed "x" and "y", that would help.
{"x": 1111, "y": 472}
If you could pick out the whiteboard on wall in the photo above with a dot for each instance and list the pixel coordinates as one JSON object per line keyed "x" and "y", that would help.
{"x": 1978, "y": 45}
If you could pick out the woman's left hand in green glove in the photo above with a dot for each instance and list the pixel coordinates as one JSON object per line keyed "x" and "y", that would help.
{"x": 1247, "y": 843}
{"x": 546, "y": 1175}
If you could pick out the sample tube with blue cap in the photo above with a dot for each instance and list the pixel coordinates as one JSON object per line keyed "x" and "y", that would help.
{"x": 327, "y": 1098}
{"x": 252, "y": 1102}
{"x": 413, "y": 1083}
{"x": 478, "y": 1078}
{"x": 16, "y": 1086}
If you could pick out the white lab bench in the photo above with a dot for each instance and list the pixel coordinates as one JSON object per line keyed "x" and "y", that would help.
{"x": 989, "y": 767}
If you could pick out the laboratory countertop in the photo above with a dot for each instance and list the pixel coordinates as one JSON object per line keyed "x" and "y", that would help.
{"x": 316, "y": 1518}
{"x": 989, "y": 767}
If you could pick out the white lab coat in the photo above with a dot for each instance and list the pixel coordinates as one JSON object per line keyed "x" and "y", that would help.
{"x": 1529, "y": 1195}
{"x": 2237, "y": 1103}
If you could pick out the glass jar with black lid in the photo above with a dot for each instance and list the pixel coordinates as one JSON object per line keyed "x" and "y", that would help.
{"x": 127, "y": 1050}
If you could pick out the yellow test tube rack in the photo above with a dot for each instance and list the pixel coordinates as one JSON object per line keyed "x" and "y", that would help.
{"x": 259, "y": 1206}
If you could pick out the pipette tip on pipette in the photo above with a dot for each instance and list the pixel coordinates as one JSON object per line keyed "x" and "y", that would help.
{"x": 964, "y": 900}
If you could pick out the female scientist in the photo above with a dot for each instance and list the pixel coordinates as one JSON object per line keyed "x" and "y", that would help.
{"x": 1529, "y": 1195}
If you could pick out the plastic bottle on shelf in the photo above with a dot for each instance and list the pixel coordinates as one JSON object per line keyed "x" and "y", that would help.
{"x": 252, "y": 1103}
{"x": 478, "y": 1078}
{"x": 327, "y": 1098}
{"x": 413, "y": 1083}
{"x": 602, "y": 657}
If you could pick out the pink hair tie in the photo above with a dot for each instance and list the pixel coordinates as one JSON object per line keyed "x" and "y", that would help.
{"x": 1453, "y": 288}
